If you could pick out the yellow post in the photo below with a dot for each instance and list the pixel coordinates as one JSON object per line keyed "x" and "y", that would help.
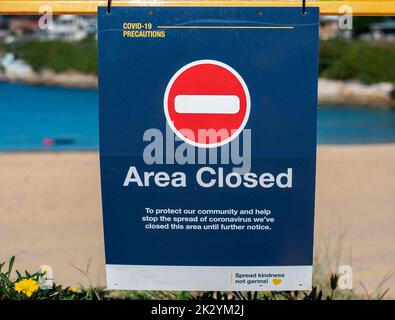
{"x": 327, "y": 7}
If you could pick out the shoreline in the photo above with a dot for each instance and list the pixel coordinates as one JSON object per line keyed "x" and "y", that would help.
{"x": 93, "y": 151}
{"x": 331, "y": 92}
{"x": 96, "y": 151}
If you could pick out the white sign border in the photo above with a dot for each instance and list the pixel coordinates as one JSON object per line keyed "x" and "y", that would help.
{"x": 204, "y": 278}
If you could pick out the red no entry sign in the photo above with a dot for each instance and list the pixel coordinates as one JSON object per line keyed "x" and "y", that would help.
{"x": 207, "y": 103}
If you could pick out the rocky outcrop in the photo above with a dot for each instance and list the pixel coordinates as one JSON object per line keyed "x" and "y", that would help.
{"x": 67, "y": 79}
{"x": 353, "y": 92}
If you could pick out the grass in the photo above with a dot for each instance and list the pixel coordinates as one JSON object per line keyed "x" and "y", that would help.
{"x": 330, "y": 253}
{"x": 26, "y": 287}
{"x": 325, "y": 287}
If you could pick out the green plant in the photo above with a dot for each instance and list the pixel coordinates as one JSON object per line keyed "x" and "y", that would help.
{"x": 357, "y": 60}
{"x": 26, "y": 287}
{"x": 58, "y": 55}
{"x": 9, "y": 290}
{"x": 362, "y": 24}
{"x": 368, "y": 62}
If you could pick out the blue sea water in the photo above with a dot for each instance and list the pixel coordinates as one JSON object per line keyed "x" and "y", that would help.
{"x": 31, "y": 114}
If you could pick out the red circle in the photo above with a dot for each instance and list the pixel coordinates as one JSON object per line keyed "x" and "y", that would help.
{"x": 207, "y": 79}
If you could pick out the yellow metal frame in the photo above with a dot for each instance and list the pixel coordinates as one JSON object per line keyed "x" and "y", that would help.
{"x": 327, "y": 7}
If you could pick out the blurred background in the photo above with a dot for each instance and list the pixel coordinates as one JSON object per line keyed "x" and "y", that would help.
{"x": 50, "y": 209}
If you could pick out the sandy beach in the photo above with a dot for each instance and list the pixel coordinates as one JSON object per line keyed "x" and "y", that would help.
{"x": 50, "y": 212}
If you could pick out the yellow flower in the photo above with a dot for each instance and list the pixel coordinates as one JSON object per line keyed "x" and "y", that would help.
{"x": 73, "y": 290}
{"x": 27, "y": 287}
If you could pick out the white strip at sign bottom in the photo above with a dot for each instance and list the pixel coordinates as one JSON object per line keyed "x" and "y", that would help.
{"x": 194, "y": 278}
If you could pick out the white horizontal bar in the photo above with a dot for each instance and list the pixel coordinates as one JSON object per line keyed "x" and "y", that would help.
{"x": 212, "y": 104}
{"x": 203, "y": 278}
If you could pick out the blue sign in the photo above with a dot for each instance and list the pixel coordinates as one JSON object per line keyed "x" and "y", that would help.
{"x": 208, "y": 146}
